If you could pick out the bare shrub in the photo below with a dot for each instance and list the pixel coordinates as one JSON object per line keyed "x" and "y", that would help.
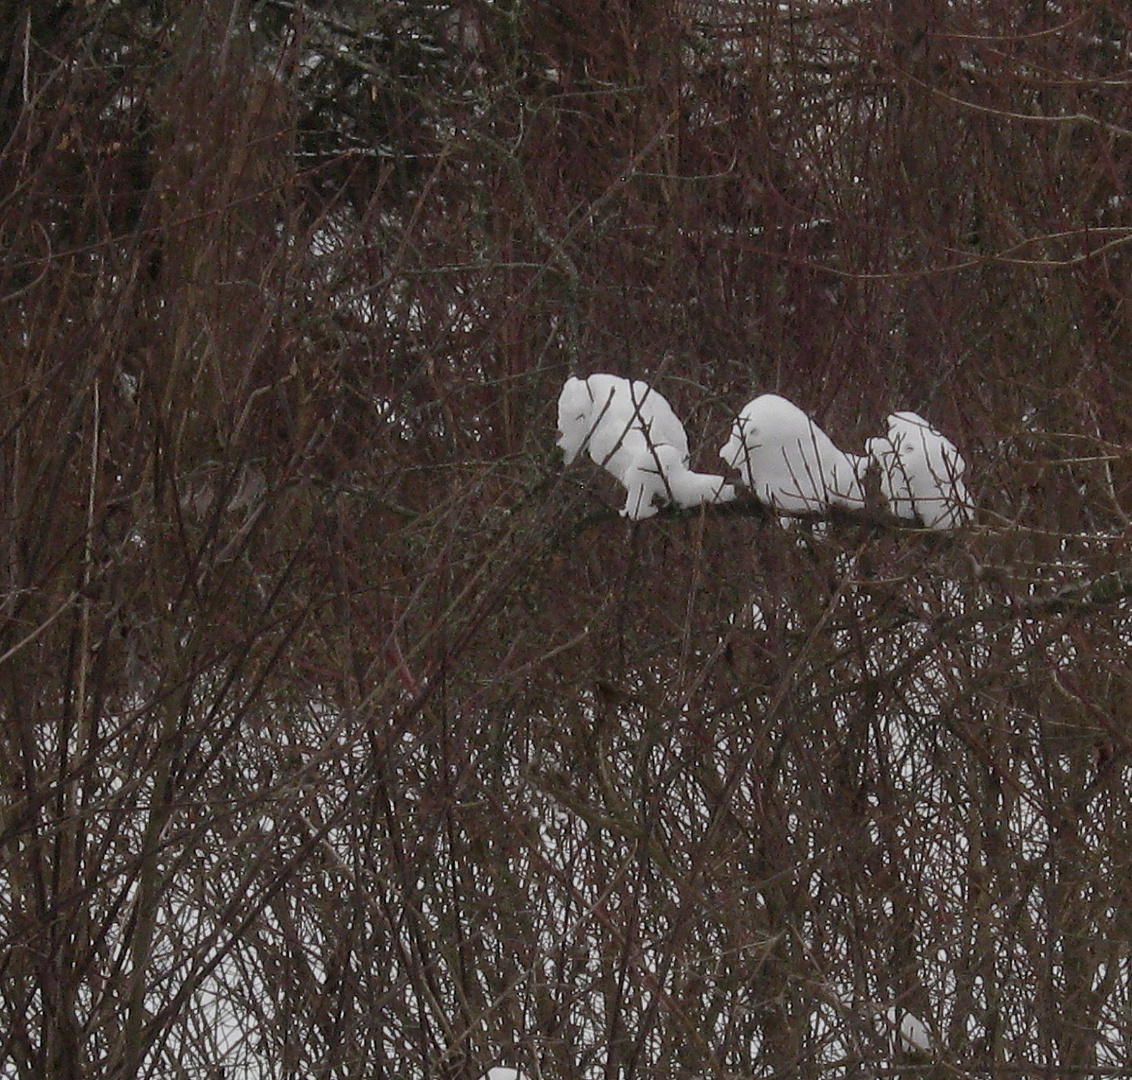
{"x": 346, "y": 734}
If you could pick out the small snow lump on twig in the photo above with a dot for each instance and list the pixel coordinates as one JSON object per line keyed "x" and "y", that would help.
{"x": 630, "y": 430}
{"x": 788, "y": 461}
{"x": 921, "y": 473}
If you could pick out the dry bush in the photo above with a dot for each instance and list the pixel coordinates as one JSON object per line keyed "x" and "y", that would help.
{"x": 346, "y": 733}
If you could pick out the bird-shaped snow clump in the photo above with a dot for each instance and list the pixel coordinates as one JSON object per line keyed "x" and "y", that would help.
{"x": 631, "y": 431}
{"x": 788, "y": 461}
{"x": 921, "y": 473}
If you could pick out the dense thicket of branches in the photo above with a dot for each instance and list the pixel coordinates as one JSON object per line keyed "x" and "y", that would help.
{"x": 346, "y": 734}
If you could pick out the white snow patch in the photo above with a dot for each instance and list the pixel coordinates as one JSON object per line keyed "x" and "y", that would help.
{"x": 630, "y": 430}
{"x": 788, "y": 461}
{"x": 921, "y": 473}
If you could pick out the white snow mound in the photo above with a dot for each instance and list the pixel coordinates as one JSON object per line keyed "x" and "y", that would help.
{"x": 921, "y": 473}
{"x": 788, "y": 461}
{"x": 630, "y": 430}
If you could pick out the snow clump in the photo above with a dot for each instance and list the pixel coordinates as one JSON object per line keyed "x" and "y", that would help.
{"x": 630, "y": 430}
{"x": 921, "y": 473}
{"x": 788, "y": 461}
